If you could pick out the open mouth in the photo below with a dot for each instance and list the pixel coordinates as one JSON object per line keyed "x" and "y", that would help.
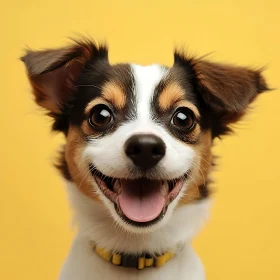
{"x": 140, "y": 202}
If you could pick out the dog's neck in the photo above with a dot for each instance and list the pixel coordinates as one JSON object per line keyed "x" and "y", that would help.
{"x": 96, "y": 225}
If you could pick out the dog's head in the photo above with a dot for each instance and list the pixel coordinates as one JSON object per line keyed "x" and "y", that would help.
{"x": 138, "y": 137}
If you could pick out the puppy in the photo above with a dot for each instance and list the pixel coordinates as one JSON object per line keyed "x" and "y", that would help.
{"x": 138, "y": 155}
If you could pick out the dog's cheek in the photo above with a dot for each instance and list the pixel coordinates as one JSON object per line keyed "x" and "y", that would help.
{"x": 77, "y": 166}
{"x": 178, "y": 159}
{"x": 198, "y": 187}
{"x": 107, "y": 153}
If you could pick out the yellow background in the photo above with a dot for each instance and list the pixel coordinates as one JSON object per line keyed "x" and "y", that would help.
{"x": 241, "y": 241}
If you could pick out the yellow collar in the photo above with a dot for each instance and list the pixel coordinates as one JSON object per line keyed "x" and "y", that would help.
{"x": 133, "y": 261}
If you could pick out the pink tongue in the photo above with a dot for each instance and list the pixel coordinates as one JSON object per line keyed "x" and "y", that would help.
{"x": 141, "y": 200}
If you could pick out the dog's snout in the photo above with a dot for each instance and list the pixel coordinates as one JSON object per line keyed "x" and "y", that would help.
{"x": 145, "y": 150}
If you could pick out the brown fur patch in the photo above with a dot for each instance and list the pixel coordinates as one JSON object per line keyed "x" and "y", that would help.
{"x": 87, "y": 129}
{"x": 78, "y": 167}
{"x": 114, "y": 94}
{"x": 198, "y": 188}
{"x": 170, "y": 95}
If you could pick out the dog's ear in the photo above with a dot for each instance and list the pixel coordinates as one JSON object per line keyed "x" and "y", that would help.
{"x": 53, "y": 72}
{"x": 226, "y": 90}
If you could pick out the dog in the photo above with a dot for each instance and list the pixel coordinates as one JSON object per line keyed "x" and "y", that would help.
{"x": 137, "y": 157}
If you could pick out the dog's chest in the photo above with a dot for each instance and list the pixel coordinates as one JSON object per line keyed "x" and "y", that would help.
{"x": 83, "y": 264}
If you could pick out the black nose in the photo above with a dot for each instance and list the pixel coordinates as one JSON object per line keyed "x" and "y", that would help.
{"x": 145, "y": 150}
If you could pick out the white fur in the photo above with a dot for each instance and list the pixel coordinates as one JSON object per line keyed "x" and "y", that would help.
{"x": 146, "y": 79}
{"x": 95, "y": 223}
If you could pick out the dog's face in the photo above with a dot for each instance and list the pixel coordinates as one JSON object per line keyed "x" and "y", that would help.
{"x": 139, "y": 137}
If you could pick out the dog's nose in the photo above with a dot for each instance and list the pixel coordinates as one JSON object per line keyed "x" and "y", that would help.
{"x": 145, "y": 150}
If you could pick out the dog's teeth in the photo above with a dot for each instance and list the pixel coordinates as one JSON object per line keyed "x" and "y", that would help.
{"x": 117, "y": 187}
{"x": 164, "y": 188}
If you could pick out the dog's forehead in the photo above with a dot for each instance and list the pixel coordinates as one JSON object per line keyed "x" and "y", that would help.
{"x": 134, "y": 89}
{"x": 160, "y": 87}
{"x": 150, "y": 84}
{"x": 147, "y": 79}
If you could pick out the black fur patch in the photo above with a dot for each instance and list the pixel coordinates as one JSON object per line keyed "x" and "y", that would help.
{"x": 89, "y": 87}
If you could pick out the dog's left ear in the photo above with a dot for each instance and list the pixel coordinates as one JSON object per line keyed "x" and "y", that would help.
{"x": 53, "y": 73}
{"x": 225, "y": 89}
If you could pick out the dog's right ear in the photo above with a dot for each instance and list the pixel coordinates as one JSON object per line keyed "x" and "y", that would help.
{"x": 53, "y": 72}
{"x": 226, "y": 90}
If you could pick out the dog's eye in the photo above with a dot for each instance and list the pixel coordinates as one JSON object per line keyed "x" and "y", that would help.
{"x": 183, "y": 118}
{"x": 100, "y": 116}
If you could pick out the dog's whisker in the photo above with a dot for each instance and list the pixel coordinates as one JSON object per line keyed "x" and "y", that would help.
{"x": 83, "y": 172}
{"x": 89, "y": 86}
{"x": 195, "y": 182}
{"x": 84, "y": 177}
{"x": 200, "y": 171}
{"x": 210, "y": 165}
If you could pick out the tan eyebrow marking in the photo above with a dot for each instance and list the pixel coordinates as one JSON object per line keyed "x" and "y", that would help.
{"x": 114, "y": 94}
{"x": 173, "y": 95}
{"x": 170, "y": 95}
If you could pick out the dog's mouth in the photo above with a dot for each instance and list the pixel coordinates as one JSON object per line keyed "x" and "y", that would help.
{"x": 142, "y": 201}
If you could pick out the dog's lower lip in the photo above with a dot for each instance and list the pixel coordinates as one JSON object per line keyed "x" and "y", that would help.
{"x": 162, "y": 191}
